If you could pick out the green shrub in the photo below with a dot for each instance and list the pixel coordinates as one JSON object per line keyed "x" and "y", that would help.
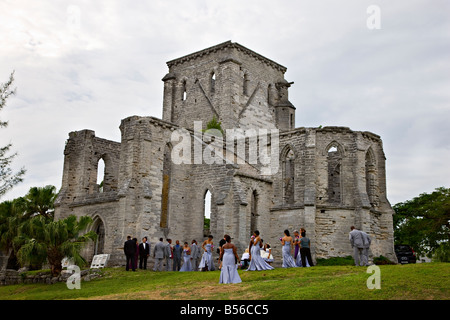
{"x": 381, "y": 260}
{"x": 336, "y": 261}
{"x": 442, "y": 253}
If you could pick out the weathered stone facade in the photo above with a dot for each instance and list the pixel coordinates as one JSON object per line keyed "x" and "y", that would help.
{"x": 327, "y": 179}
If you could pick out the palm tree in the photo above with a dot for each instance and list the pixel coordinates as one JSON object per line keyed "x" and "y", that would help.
{"x": 11, "y": 217}
{"x": 55, "y": 240}
{"x": 40, "y": 201}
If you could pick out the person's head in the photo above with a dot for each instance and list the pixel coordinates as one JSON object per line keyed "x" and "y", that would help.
{"x": 267, "y": 245}
{"x": 302, "y": 230}
{"x": 210, "y": 237}
{"x": 227, "y": 238}
{"x": 352, "y": 227}
{"x": 135, "y": 240}
{"x": 304, "y": 234}
{"x": 256, "y": 233}
{"x": 286, "y": 232}
{"x": 185, "y": 244}
{"x": 194, "y": 241}
{"x": 144, "y": 239}
{"x": 128, "y": 237}
{"x": 177, "y": 242}
{"x": 296, "y": 233}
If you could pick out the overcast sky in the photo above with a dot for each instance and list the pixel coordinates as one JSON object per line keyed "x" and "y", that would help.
{"x": 89, "y": 64}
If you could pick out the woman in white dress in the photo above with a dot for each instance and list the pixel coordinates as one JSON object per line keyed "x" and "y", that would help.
{"x": 207, "y": 262}
{"x": 187, "y": 266}
{"x": 287, "y": 242}
{"x": 229, "y": 258}
{"x": 256, "y": 261}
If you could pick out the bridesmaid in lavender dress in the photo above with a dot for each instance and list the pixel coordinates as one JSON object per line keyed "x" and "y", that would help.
{"x": 186, "y": 258}
{"x": 257, "y": 262}
{"x": 229, "y": 258}
{"x": 287, "y": 242}
{"x": 207, "y": 262}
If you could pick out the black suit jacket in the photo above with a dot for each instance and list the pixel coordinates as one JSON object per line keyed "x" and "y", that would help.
{"x": 129, "y": 247}
{"x": 144, "y": 252}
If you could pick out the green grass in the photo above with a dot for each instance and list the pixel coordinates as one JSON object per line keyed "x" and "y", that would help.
{"x": 398, "y": 282}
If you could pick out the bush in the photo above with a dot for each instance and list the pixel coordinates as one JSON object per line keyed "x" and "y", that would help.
{"x": 442, "y": 253}
{"x": 336, "y": 261}
{"x": 381, "y": 260}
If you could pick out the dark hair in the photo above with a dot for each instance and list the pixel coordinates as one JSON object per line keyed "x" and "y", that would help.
{"x": 256, "y": 232}
{"x": 128, "y": 237}
{"x": 267, "y": 245}
{"x": 160, "y": 239}
{"x": 304, "y": 234}
{"x": 210, "y": 236}
{"x": 227, "y": 238}
{"x": 185, "y": 242}
{"x": 144, "y": 238}
{"x": 287, "y": 232}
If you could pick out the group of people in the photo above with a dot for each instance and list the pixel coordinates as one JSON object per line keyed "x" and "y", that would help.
{"x": 296, "y": 252}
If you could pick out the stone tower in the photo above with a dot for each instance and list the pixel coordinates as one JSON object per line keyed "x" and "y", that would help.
{"x": 327, "y": 179}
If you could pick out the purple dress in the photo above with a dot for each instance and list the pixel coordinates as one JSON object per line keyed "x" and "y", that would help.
{"x": 229, "y": 273}
{"x": 257, "y": 262}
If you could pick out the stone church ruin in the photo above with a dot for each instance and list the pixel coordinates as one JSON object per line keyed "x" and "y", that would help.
{"x": 327, "y": 179}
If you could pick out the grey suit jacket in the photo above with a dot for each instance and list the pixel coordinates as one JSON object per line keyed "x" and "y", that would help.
{"x": 158, "y": 252}
{"x": 356, "y": 238}
{"x": 167, "y": 250}
{"x": 366, "y": 239}
{"x": 195, "y": 251}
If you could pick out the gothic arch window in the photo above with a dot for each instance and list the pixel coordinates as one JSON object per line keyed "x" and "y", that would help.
{"x": 288, "y": 167}
{"x": 207, "y": 210}
{"x": 184, "y": 91}
{"x": 334, "y": 159}
{"x": 212, "y": 82}
{"x": 371, "y": 177}
{"x": 245, "y": 84}
{"x": 101, "y": 169}
{"x": 165, "y": 194}
{"x": 254, "y": 212}
{"x": 99, "y": 229}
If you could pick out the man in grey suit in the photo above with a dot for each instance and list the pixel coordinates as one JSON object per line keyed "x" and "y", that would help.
{"x": 367, "y": 241}
{"x": 195, "y": 254}
{"x": 357, "y": 242}
{"x": 169, "y": 255}
{"x": 177, "y": 252}
{"x": 159, "y": 254}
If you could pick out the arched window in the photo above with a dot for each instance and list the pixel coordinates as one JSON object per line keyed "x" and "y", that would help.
{"x": 207, "y": 199}
{"x": 288, "y": 165}
{"x": 253, "y": 212}
{"x": 167, "y": 167}
{"x": 245, "y": 84}
{"x": 334, "y": 158}
{"x": 212, "y": 84}
{"x": 184, "y": 96}
{"x": 371, "y": 178}
{"x": 100, "y": 175}
{"x": 99, "y": 229}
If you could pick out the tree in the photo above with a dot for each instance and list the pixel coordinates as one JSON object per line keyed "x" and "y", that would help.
{"x": 11, "y": 217}
{"x": 55, "y": 240}
{"x": 424, "y": 221}
{"x": 40, "y": 201}
{"x": 8, "y": 178}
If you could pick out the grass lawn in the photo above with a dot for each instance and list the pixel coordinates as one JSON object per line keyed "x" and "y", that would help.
{"x": 426, "y": 281}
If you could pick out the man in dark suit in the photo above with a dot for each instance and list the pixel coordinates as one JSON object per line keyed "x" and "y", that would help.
{"x": 130, "y": 250}
{"x": 144, "y": 253}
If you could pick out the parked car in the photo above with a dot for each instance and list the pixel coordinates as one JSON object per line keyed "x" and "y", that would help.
{"x": 405, "y": 254}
